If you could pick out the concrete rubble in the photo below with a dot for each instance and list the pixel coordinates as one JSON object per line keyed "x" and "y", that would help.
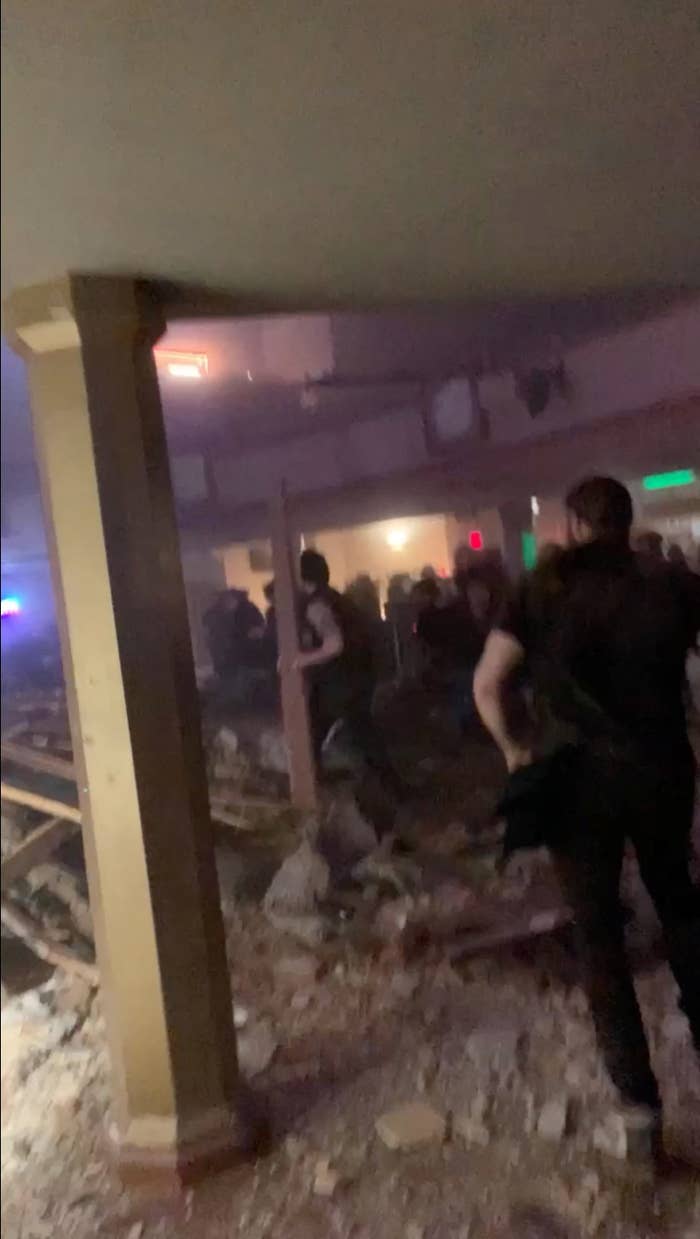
{"x": 297, "y": 971}
{"x": 326, "y": 1178}
{"x": 410, "y": 1097}
{"x": 256, "y": 1046}
{"x": 410, "y": 1125}
{"x": 553, "y": 1119}
{"x": 492, "y": 1052}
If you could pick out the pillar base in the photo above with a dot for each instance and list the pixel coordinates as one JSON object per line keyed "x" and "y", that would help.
{"x": 151, "y": 1157}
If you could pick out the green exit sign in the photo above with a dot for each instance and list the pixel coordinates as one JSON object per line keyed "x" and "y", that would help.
{"x": 664, "y": 481}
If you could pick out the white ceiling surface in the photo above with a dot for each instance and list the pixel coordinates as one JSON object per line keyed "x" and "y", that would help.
{"x": 306, "y": 156}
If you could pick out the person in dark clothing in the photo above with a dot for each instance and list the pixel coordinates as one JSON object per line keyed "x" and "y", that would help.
{"x": 234, "y": 626}
{"x": 452, "y": 638}
{"x": 605, "y": 636}
{"x": 651, "y": 545}
{"x": 340, "y": 666}
{"x": 235, "y": 630}
{"x": 425, "y": 604}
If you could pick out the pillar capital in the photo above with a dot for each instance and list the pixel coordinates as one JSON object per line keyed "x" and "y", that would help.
{"x": 48, "y": 317}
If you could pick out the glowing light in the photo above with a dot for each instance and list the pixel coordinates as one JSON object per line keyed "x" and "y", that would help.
{"x": 476, "y": 540}
{"x": 10, "y": 606}
{"x": 528, "y": 543}
{"x": 397, "y": 538}
{"x": 183, "y": 370}
{"x": 664, "y": 481}
{"x": 249, "y": 375}
{"x": 535, "y": 505}
{"x": 182, "y": 365}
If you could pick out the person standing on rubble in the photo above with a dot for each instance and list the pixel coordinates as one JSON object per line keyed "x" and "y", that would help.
{"x": 606, "y": 640}
{"x": 340, "y": 667}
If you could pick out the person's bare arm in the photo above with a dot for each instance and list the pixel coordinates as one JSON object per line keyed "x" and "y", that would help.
{"x": 323, "y": 622}
{"x": 502, "y": 655}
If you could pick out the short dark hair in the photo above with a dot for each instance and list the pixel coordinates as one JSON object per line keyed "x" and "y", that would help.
{"x": 426, "y": 587}
{"x": 605, "y": 505}
{"x": 314, "y": 568}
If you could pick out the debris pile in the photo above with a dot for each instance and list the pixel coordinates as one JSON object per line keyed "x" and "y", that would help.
{"x": 413, "y": 1023}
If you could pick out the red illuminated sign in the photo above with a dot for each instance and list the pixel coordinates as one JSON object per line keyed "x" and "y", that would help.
{"x": 476, "y": 540}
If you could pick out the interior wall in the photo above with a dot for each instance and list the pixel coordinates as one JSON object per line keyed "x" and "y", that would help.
{"x": 240, "y": 574}
{"x": 550, "y": 522}
{"x": 486, "y": 520}
{"x": 366, "y": 549}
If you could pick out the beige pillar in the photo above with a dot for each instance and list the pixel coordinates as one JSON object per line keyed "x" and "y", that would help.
{"x": 516, "y": 519}
{"x": 295, "y": 711}
{"x": 134, "y": 713}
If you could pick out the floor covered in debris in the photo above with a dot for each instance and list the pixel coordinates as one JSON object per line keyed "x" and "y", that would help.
{"x": 424, "y": 1078}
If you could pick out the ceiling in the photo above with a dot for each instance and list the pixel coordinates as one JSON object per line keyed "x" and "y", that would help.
{"x": 272, "y": 377}
{"x": 275, "y": 377}
{"x": 335, "y": 154}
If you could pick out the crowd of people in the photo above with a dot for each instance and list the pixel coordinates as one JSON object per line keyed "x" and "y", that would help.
{"x": 599, "y": 634}
{"x": 431, "y": 628}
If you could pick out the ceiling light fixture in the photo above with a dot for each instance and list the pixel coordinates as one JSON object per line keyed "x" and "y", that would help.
{"x": 397, "y": 538}
{"x": 182, "y": 365}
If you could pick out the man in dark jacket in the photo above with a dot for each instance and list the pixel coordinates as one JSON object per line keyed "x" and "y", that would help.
{"x": 605, "y": 637}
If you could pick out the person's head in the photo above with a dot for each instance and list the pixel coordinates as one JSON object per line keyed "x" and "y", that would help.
{"x": 313, "y": 570}
{"x": 599, "y": 509}
{"x": 425, "y": 594}
{"x": 464, "y": 557}
{"x": 677, "y": 556}
{"x": 650, "y": 544}
{"x": 472, "y": 586}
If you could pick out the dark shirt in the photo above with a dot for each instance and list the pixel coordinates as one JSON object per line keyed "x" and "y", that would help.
{"x": 234, "y": 636}
{"x": 356, "y": 657}
{"x": 606, "y": 640}
{"x": 451, "y": 635}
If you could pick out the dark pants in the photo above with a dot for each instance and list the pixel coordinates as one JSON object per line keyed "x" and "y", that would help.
{"x": 335, "y": 695}
{"x": 648, "y": 800}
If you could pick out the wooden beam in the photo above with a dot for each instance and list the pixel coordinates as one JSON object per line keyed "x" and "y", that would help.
{"x": 24, "y": 927}
{"x": 43, "y": 804}
{"x": 295, "y": 710}
{"x": 221, "y": 813}
{"x": 41, "y": 843}
{"x": 35, "y": 759}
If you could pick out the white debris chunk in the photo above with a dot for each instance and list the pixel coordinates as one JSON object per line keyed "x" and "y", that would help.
{"x": 610, "y": 1136}
{"x": 326, "y": 1178}
{"x": 410, "y": 1125}
{"x": 553, "y": 1118}
{"x": 256, "y": 1047}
